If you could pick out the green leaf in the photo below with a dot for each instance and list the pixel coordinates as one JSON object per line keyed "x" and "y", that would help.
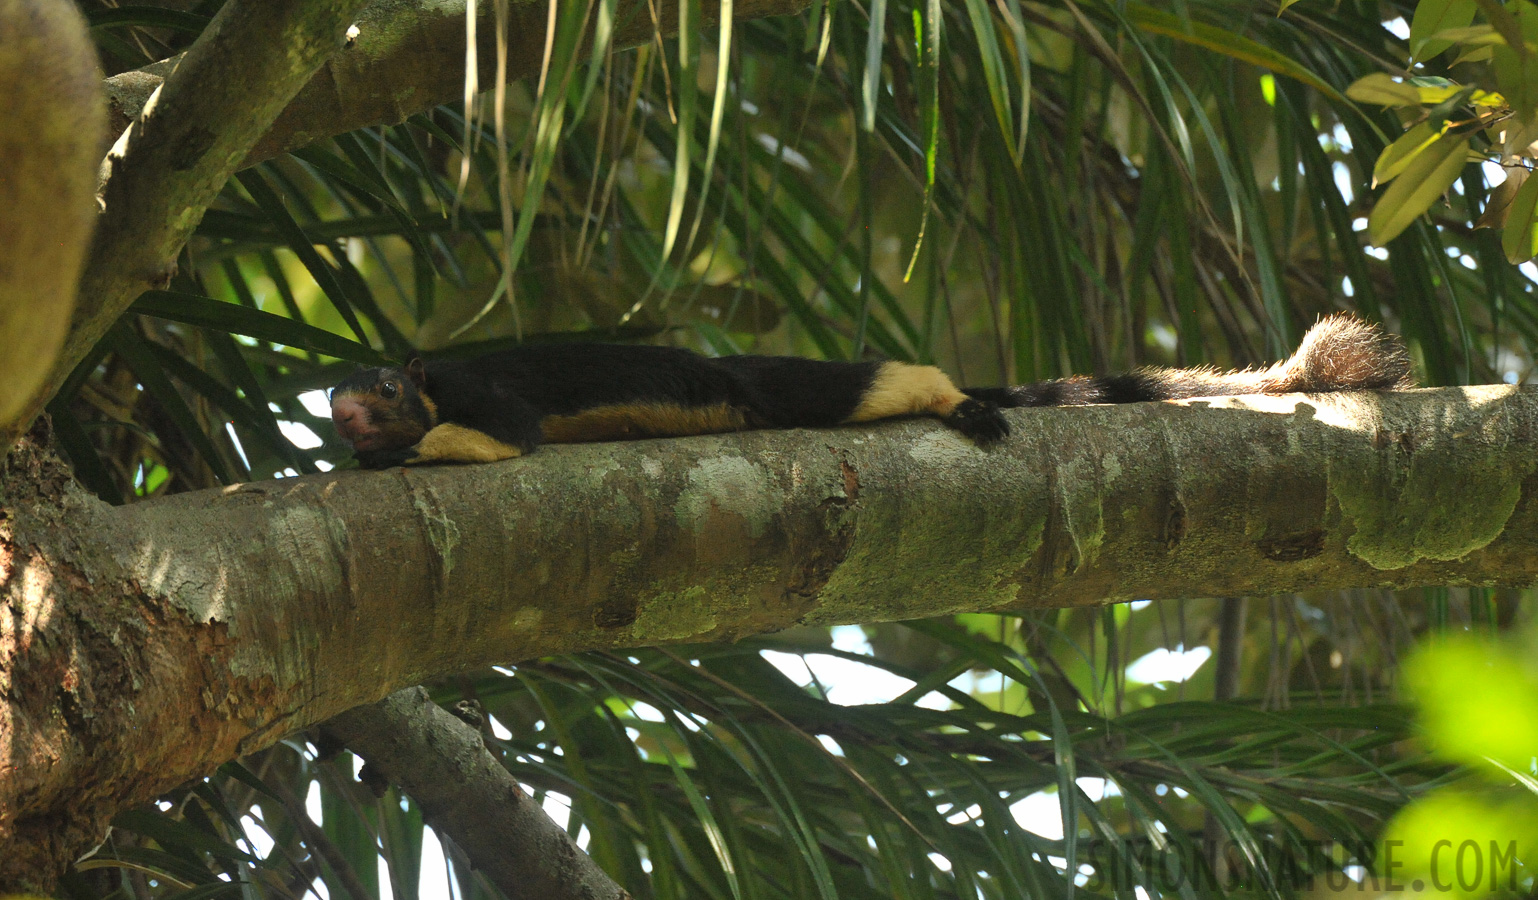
{"x": 302, "y": 245}
{"x": 688, "y": 100}
{"x": 1426, "y": 179}
{"x": 1473, "y": 36}
{"x": 175, "y": 869}
{"x": 1515, "y": 63}
{"x": 1382, "y": 90}
{"x": 1476, "y": 54}
{"x": 76, "y": 443}
{"x": 400, "y": 837}
{"x": 1014, "y": 19}
{"x": 238, "y": 370}
{"x": 173, "y": 833}
{"x": 717, "y": 114}
{"x": 136, "y": 351}
{"x": 256, "y": 418}
{"x": 927, "y": 29}
{"x": 1519, "y": 239}
{"x": 147, "y": 17}
{"x": 1219, "y": 40}
{"x": 1398, "y": 156}
{"x": 236, "y": 770}
{"x": 351, "y": 833}
{"x": 1502, "y": 20}
{"x": 987, "y": 40}
{"x": 210, "y": 313}
{"x": 1432, "y": 17}
{"x": 870, "y": 88}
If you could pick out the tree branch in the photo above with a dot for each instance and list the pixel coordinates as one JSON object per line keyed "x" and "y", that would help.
{"x": 465, "y": 793}
{"x": 409, "y": 57}
{"x": 222, "y": 96}
{"x": 143, "y": 645}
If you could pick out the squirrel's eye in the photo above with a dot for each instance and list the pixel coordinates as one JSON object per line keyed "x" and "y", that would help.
{"x": 388, "y": 390}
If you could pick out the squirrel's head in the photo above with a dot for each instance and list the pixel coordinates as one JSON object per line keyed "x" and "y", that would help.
{"x": 384, "y": 408}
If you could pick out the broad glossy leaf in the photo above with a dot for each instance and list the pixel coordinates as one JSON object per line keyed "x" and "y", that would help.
{"x": 1476, "y": 54}
{"x": 1473, "y": 35}
{"x": 1381, "y": 89}
{"x": 1398, "y": 156}
{"x": 1432, "y": 19}
{"x": 1515, "y": 63}
{"x": 1420, "y": 184}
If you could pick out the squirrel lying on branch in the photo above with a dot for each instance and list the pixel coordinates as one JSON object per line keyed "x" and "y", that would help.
{"x": 506, "y": 404}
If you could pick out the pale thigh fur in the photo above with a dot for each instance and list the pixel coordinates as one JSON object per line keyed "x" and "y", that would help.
{"x": 902, "y": 389}
{"x": 455, "y": 443}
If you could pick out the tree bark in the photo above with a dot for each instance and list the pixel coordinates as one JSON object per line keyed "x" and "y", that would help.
{"x": 467, "y": 794}
{"x": 141, "y": 646}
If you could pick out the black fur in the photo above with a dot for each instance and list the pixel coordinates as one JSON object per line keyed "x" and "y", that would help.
{"x": 507, "y": 395}
{"x": 510, "y": 390}
{"x": 979, "y": 420}
{"x": 508, "y": 403}
{"x": 791, "y": 392}
{"x": 1132, "y": 387}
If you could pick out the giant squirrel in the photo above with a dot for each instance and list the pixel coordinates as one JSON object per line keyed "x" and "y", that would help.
{"x": 506, "y": 404}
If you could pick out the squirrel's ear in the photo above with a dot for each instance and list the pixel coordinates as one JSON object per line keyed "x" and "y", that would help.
{"x": 417, "y": 372}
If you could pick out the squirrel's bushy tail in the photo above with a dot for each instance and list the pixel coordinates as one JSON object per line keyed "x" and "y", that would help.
{"x": 1340, "y": 353}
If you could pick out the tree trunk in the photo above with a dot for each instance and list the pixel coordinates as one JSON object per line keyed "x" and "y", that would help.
{"x": 141, "y": 646}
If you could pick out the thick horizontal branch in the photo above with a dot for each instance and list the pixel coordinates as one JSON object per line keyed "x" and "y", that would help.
{"x": 232, "y": 617}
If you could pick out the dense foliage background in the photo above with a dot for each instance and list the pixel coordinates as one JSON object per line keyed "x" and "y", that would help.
{"x": 1015, "y": 191}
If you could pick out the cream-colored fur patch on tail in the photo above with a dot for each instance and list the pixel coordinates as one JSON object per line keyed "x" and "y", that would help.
{"x": 1340, "y": 353}
{"x": 902, "y": 389}
{"x": 1343, "y": 353}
